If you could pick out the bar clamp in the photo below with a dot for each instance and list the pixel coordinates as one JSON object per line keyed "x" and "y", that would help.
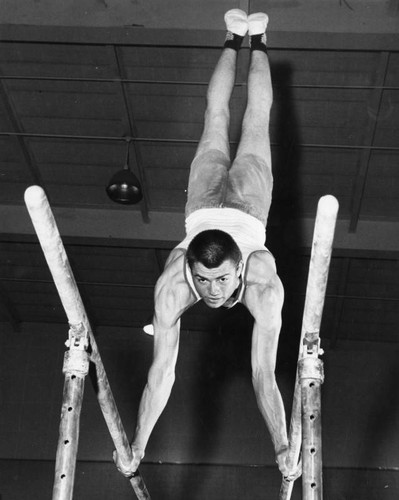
{"x": 311, "y": 345}
{"x": 76, "y": 358}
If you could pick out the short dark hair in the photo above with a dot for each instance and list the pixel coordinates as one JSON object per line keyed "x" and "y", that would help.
{"x": 211, "y": 248}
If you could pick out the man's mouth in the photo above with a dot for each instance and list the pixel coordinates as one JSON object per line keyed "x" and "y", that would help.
{"x": 214, "y": 299}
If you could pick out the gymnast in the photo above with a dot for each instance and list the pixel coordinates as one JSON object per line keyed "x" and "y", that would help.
{"x": 223, "y": 260}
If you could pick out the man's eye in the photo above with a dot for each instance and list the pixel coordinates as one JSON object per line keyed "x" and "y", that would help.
{"x": 222, "y": 280}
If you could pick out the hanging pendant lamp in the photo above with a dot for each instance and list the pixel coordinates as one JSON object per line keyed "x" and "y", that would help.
{"x": 124, "y": 187}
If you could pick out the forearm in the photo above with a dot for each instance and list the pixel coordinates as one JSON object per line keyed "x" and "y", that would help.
{"x": 271, "y": 407}
{"x": 153, "y": 401}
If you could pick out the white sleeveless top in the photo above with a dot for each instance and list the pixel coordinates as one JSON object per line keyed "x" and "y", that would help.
{"x": 247, "y": 231}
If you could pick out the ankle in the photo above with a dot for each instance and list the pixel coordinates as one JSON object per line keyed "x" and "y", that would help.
{"x": 233, "y": 41}
{"x": 258, "y": 42}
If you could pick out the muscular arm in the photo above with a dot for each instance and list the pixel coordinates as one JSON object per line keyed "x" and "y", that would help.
{"x": 264, "y": 299}
{"x": 161, "y": 377}
{"x": 172, "y": 298}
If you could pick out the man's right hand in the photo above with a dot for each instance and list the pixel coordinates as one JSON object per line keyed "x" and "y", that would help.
{"x": 129, "y": 469}
{"x": 288, "y": 474}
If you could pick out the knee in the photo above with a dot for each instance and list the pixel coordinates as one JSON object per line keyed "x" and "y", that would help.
{"x": 257, "y": 171}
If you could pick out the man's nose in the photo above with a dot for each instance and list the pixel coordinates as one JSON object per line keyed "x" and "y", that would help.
{"x": 214, "y": 288}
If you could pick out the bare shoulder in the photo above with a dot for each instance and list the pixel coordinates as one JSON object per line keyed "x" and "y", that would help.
{"x": 174, "y": 266}
{"x": 261, "y": 268}
{"x": 172, "y": 293}
{"x": 263, "y": 286}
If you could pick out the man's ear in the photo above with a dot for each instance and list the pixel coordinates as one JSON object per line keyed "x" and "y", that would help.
{"x": 240, "y": 267}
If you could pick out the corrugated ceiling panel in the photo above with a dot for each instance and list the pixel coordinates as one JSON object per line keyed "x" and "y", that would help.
{"x": 313, "y": 173}
{"x": 374, "y": 278}
{"x": 167, "y": 170}
{"x": 22, "y": 261}
{"x": 121, "y": 305}
{"x": 168, "y": 178}
{"x": 168, "y": 111}
{"x": 117, "y": 265}
{"x": 6, "y": 124}
{"x": 323, "y": 67}
{"x": 387, "y": 126}
{"x": 185, "y": 64}
{"x": 327, "y": 116}
{"x": 173, "y": 200}
{"x": 14, "y": 176}
{"x": 56, "y": 60}
{"x": 381, "y": 196}
{"x": 392, "y": 76}
{"x": 68, "y": 108}
{"x": 372, "y": 320}
{"x": 35, "y": 301}
{"x": 160, "y": 155}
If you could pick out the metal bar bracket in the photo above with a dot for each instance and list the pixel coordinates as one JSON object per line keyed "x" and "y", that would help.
{"x": 76, "y": 359}
{"x": 311, "y": 345}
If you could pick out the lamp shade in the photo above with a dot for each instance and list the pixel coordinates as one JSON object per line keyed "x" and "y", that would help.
{"x": 124, "y": 187}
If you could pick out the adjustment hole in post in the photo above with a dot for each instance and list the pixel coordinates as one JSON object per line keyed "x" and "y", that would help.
{"x": 73, "y": 377}
{"x": 66, "y": 441}
{"x": 63, "y": 476}
{"x": 70, "y": 408}
{"x": 313, "y": 486}
{"x": 312, "y": 417}
{"x": 312, "y": 384}
{"x": 312, "y": 451}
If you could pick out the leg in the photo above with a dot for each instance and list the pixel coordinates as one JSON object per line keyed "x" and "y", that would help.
{"x": 255, "y": 127}
{"x": 220, "y": 88}
{"x": 217, "y": 114}
{"x": 250, "y": 177}
{"x": 209, "y": 169}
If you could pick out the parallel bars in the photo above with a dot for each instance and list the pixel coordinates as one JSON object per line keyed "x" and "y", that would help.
{"x": 306, "y": 409}
{"x": 76, "y": 363}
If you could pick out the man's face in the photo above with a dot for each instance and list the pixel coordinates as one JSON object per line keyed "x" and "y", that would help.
{"x": 216, "y": 285}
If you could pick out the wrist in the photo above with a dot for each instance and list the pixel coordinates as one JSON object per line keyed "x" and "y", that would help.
{"x": 137, "y": 449}
{"x": 281, "y": 450}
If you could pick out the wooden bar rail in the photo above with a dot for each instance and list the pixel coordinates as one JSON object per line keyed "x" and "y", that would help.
{"x": 50, "y": 240}
{"x": 307, "y": 387}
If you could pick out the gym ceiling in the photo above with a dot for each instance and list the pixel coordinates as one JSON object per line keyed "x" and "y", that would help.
{"x": 82, "y": 81}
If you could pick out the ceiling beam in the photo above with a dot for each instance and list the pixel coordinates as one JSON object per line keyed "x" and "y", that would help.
{"x": 371, "y": 237}
{"x": 323, "y": 40}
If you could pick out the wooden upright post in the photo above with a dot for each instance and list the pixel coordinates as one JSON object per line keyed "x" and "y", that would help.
{"x": 305, "y": 426}
{"x": 57, "y": 260}
{"x": 76, "y": 367}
